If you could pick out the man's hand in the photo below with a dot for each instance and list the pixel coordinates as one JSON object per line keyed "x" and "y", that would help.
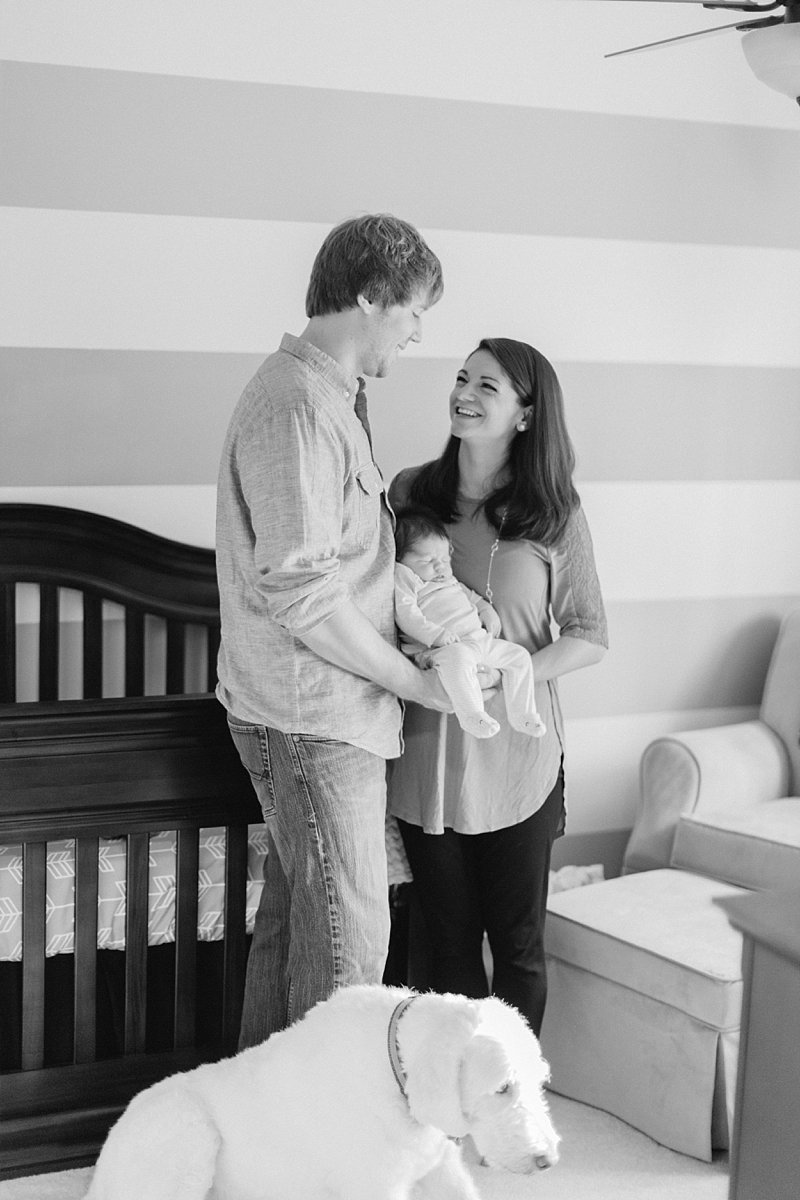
{"x": 432, "y": 694}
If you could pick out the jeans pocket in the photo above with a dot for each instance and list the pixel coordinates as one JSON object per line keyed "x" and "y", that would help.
{"x": 252, "y": 745}
{"x": 251, "y": 742}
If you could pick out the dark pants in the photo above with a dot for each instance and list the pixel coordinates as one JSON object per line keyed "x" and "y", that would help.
{"x": 497, "y": 882}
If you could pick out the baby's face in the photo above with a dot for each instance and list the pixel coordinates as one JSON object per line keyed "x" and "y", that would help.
{"x": 429, "y": 558}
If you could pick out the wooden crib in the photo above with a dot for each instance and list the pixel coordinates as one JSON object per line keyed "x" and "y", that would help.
{"x": 108, "y": 731}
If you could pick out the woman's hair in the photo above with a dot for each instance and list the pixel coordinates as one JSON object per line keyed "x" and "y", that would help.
{"x": 414, "y": 523}
{"x": 538, "y": 497}
{"x": 380, "y": 257}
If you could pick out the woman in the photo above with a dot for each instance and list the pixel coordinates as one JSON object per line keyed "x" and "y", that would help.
{"x": 479, "y": 817}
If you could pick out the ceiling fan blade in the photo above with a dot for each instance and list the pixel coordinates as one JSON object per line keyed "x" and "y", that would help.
{"x": 688, "y": 37}
{"x": 731, "y": 5}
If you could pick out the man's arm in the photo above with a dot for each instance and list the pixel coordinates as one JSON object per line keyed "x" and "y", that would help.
{"x": 348, "y": 640}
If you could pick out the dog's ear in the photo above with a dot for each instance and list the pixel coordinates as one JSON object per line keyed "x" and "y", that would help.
{"x": 504, "y": 1046}
{"x": 433, "y": 1045}
{"x": 485, "y": 1068}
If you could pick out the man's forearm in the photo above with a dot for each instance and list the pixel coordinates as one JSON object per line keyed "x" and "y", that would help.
{"x": 348, "y": 640}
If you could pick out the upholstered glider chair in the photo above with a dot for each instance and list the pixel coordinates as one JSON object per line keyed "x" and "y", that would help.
{"x": 645, "y": 975}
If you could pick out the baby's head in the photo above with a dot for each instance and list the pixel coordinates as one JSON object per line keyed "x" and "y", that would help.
{"x": 423, "y": 545}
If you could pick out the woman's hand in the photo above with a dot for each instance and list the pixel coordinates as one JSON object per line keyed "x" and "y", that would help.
{"x": 489, "y": 679}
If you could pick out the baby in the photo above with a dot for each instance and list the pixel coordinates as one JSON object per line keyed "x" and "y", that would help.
{"x": 446, "y": 625}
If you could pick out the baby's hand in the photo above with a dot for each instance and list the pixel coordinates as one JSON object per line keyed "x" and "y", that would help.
{"x": 446, "y": 639}
{"x": 491, "y": 623}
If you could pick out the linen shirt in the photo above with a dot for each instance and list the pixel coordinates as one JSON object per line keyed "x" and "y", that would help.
{"x": 302, "y": 526}
{"x": 447, "y": 779}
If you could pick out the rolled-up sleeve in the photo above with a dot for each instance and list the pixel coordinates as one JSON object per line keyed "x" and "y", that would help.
{"x": 576, "y": 599}
{"x": 296, "y": 551}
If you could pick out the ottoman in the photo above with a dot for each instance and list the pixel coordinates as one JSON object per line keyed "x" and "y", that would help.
{"x": 644, "y": 1003}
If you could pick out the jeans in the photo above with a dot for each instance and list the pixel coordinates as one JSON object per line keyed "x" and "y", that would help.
{"x": 323, "y": 917}
{"x": 497, "y": 882}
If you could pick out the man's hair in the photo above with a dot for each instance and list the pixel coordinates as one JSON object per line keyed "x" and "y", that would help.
{"x": 378, "y": 256}
{"x": 415, "y": 523}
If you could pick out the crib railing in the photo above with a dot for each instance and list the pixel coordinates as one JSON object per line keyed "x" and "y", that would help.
{"x": 86, "y": 770}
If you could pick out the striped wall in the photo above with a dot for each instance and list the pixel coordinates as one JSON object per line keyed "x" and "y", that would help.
{"x": 170, "y": 170}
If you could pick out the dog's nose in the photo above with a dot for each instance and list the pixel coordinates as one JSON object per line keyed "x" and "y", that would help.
{"x": 543, "y": 1162}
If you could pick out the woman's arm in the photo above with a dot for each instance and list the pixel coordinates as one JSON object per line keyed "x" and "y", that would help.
{"x": 565, "y": 655}
{"x": 577, "y": 605}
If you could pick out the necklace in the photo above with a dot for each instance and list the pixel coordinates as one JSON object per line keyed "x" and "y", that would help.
{"x": 492, "y": 551}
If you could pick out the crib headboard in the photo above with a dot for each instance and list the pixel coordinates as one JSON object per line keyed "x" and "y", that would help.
{"x": 104, "y": 629}
{"x": 106, "y": 562}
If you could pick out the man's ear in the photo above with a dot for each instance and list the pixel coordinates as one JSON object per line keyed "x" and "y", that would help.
{"x": 366, "y": 306}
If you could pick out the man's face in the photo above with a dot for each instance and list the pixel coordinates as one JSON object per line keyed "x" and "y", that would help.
{"x": 388, "y": 331}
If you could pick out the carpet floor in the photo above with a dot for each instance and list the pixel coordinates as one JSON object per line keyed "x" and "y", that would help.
{"x": 601, "y": 1159}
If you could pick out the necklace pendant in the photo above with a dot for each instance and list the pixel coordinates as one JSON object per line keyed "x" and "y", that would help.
{"x": 492, "y": 551}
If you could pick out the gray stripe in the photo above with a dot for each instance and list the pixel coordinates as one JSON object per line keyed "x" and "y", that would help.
{"x": 669, "y": 655}
{"x": 122, "y": 141}
{"x": 116, "y": 416}
{"x": 628, "y": 421}
{"x": 160, "y": 417}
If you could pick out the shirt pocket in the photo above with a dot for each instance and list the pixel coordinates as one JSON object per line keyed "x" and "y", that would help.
{"x": 368, "y": 499}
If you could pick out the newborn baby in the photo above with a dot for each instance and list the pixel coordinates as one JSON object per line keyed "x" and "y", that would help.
{"x": 445, "y": 625}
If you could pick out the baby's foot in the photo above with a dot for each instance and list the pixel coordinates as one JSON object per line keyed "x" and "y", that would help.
{"x": 533, "y": 725}
{"x": 479, "y": 724}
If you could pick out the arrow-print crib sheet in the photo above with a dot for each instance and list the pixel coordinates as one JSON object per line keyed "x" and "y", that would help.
{"x": 59, "y": 934}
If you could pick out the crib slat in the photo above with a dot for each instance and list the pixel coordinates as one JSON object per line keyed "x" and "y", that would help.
{"x": 92, "y": 646}
{"x": 34, "y": 883}
{"x": 8, "y": 643}
{"x": 186, "y": 936}
{"x": 176, "y": 657}
{"x": 136, "y": 918}
{"x": 134, "y": 653}
{"x": 48, "y": 641}
{"x": 86, "y": 880}
{"x": 212, "y": 650}
{"x": 235, "y": 947}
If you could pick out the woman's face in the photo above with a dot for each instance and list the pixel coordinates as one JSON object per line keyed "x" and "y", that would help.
{"x": 483, "y": 403}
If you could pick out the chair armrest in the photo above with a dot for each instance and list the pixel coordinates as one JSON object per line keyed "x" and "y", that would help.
{"x": 723, "y": 767}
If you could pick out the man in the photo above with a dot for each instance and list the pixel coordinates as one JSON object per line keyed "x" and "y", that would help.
{"x": 308, "y": 667}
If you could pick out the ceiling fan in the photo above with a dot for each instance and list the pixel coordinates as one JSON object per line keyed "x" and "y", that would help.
{"x": 771, "y": 42}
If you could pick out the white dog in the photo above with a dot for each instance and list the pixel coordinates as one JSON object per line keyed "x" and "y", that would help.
{"x": 359, "y": 1100}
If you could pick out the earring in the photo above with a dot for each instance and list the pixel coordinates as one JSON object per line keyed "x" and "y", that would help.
{"x": 521, "y": 426}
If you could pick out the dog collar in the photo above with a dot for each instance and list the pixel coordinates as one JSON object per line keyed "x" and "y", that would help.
{"x": 394, "y": 1052}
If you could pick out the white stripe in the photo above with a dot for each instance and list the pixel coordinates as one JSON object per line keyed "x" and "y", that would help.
{"x": 602, "y": 761}
{"x": 652, "y": 541}
{"x": 123, "y": 281}
{"x": 546, "y": 53}
{"x": 663, "y": 541}
{"x": 184, "y": 513}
